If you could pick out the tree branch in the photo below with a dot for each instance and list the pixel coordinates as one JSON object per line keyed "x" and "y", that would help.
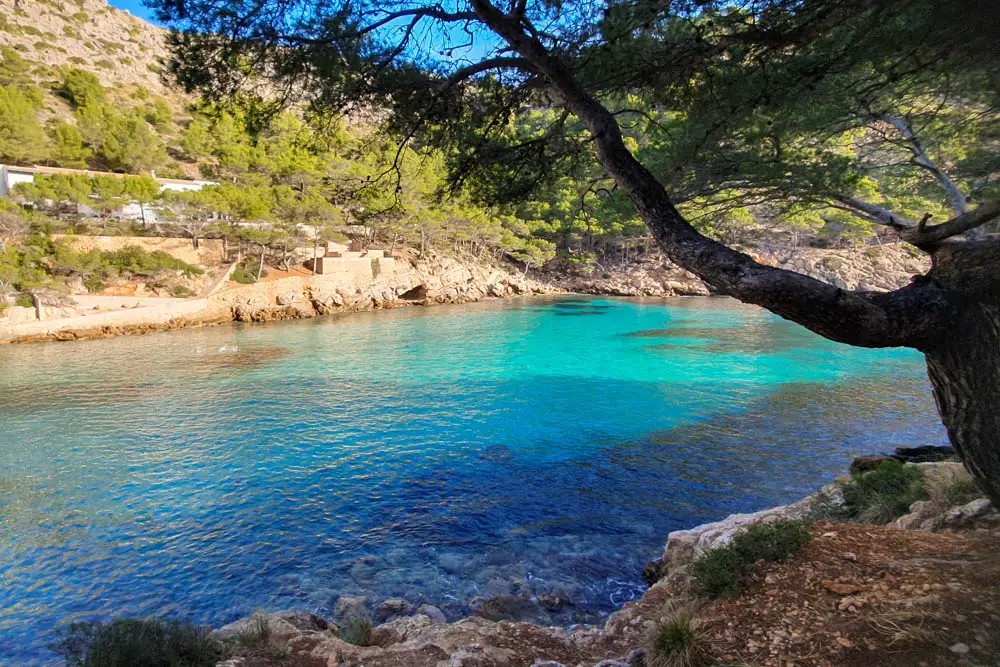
{"x": 922, "y": 160}
{"x": 927, "y": 237}
{"x": 875, "y": 213}
{"x": 857, "y": 318}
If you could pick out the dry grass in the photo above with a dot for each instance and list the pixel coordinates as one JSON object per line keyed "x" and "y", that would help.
{"x": 906, "y": 626}
{"x": 950, "y": 486}
{"x": 678, "y": 640}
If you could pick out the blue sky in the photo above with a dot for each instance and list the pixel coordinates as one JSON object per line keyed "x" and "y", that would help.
{"x": 134, "y": 6}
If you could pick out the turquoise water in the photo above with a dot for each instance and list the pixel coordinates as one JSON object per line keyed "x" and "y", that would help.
{"x": 527, "y": 447}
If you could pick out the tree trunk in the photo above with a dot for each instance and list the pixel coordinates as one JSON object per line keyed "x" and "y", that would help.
{"x": 965, "y": 374}
{"x": 260, "y": 268}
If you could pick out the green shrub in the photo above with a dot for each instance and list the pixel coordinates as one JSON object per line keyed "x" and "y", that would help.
{"x": 24, "y": 301}
{"x": 181, "y": 292}
{"x": 137, "y": 643}
{"x": 720, "y": 571}
{"x": 243, "y": 275}
{"x": 832, "y": 263}
{"x": 357, "y": 630}
{"x": 376, "y": 267}
{"x": 3, "y": 306}
{"x": 93, "y": 284}
{"x": 136, "y": 261}
{"x": 676, "y": 641}
{"x": 257, "y": 634}
{"x": 883, "y": 494}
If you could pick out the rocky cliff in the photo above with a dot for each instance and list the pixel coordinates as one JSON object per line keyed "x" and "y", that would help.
{"x": 874, "y": 268}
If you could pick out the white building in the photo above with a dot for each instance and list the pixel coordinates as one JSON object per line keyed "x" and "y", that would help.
{"x": 11, "y": 175}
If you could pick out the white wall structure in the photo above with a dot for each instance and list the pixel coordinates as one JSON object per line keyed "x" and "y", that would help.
{"x": 11, "y": 175}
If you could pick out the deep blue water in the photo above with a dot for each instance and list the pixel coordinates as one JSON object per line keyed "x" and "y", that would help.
{"x": 439, "y": 455}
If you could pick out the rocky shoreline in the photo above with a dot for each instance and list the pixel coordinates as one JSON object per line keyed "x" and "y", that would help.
{"x": 420, "y": 636}
{"x": 437, "y": 279}
{"x": 442, "y": 279}
{"x": 872, "y": 268}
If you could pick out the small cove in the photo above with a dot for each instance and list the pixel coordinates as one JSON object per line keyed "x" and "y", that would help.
{"x": 526, "y": 447}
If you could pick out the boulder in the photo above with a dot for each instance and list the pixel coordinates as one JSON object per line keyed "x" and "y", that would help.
{"x": 868, "y": 463}
{"x": 350, "y": 605}
{"x": 432, "y": 612}
{"x": 392, "y": 608}
{"x": 925, "y": 454}
{"x": 513, "y": 608}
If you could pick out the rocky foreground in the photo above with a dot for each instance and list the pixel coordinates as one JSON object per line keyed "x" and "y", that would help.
{"x": 857, "y": 594}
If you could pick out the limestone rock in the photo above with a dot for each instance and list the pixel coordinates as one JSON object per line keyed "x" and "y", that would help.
{"x": 392, "y": 608}
{"x": 433, "y": 613}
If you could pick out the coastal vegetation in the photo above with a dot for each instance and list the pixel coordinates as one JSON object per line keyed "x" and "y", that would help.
{"x": 885, "y": 493}
{"x": 720, "y": 571}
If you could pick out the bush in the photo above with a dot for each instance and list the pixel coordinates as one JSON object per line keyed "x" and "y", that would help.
{"x": 832, "y": 263}
{"x": 376, "y": 267}
{"x": 93, "y": 284}
{"x": 883, "y": 494}
{"x": 128, "y": 642}
{"x": 181, "y": 292}
{"x": 720, "y": 571}
{"x": 24, "y": 301}
{"x": 244, "y": 275}
{"x": 677, "y": 642}
{"x": 357, "y": 630}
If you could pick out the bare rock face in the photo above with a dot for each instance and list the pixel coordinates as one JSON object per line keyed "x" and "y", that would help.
{"x": 429, "y": 280}
{"x": 417, "y": 641}
{"x": 925, "y": 515}
{"x": 872, "y": 268}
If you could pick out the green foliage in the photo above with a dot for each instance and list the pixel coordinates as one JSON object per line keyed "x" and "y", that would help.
{"x": 24, "y": 301}
{"x": 181, "y": 292}
{"x": 357, "y": 630}
{"x": 883, "y": 494}
{"x": 677, "y": 641}
{"x": 22, "y": 139}
{"x": 137, "y": 643}
{"x": 69, "y": 148}
{"x": 133, "y": 260}
{"x": 14, "y": 70}
{"x": 93, "y": 284}
{"x": 376, "y": 267}
{"x": 129, "y": 145}
{"x": 244, "y": 273}
{"x": 82, "y": 88}
{"x": 720, "y": 571}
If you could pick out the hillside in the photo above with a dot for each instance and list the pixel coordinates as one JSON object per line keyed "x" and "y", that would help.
{"x": 119, "y": 48}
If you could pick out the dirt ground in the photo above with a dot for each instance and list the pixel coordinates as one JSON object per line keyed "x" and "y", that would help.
{"x": 868, "y": 595}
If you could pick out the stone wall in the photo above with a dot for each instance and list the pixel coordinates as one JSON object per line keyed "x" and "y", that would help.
{"x": 208, "y": 253}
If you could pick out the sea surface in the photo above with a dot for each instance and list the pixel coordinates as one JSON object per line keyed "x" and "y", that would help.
{"x": 535, "y": 447}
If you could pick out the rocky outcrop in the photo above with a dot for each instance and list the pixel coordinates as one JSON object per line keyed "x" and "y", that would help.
{"x": 874, "y": 268}
{"x": 436, "y": 279}
{"x": 927, "y": 515}
{"x": 686, "y": 546}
